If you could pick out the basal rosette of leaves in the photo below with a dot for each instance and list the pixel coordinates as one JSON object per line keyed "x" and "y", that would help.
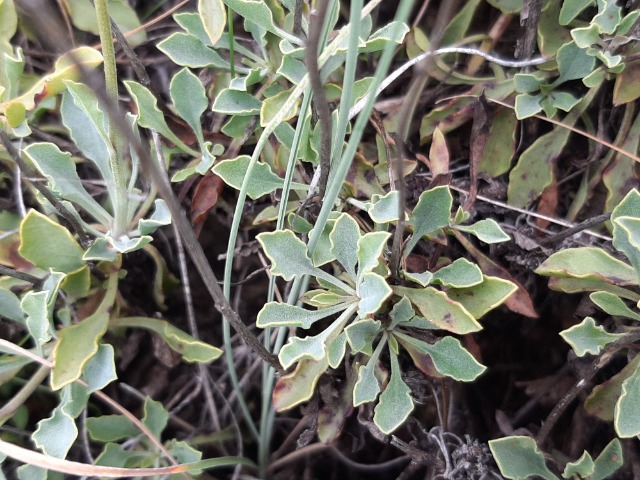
{"x": 613, "y": 284}
{"x": 362, "y": 315}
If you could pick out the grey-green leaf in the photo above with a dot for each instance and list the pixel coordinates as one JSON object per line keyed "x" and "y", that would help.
{"x": 487, "y": 231}
{"x": 519, "y": 458}
{"x": 395, "y": 402}
{"x": 587, "y": 337}
{"x": 460, "y": 273}
{"x": 432, "y": 213}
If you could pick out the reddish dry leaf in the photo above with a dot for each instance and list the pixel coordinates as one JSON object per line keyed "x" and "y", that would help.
{"x": 204, "y": 199}
{"x": 520, "y": 302}
{"x": 548, "y": 204}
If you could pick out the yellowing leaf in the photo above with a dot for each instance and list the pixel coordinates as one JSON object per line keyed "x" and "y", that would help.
{"x": 213, "y": 16}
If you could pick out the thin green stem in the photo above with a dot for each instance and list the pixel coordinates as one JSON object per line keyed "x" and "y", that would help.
{"x": 232, "y": 61}
{"x": 116, "y": 159}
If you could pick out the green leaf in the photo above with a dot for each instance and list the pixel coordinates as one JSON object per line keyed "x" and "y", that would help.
{"x": 10, "y": 306}
{"x": 608, "y": 17}
{"x": 100, "y": 250}
{"x": 573, "y": 63}
{"x": 83, "y": 17}
{"x": 189, "y": 98}
{"x": 189, "y": 51}
{"x": 601, "y": 402}
{"x": 528, "y": 105}
{"x": 236, "y": 102}
{"x": 367, "y": 386}
{"x": 298, "y": 386}
{"x": 275, "y": 314}
{"x": 344, "y": 239}
{"x": 336, "y": 350}
{"x": 34, "y": 305}
{"x": 626, "y": 419}
{"x": 393, "y": 32}
{"x": 626, "y": 238}
{"x": 432, "y": 213}
{"x": 395, "y": 402}
{"x": 150, "y": 116}
{"x": 487, "y": 231}
{"x": 288, "y": 254}
{"x": 402, "y": 312}
{"x": 161, "y": 216}
{"x": 86, "y": 122}
{"x": 214, "y": 17}
{"x": 440, "y": 310}
{"x": 8, "y": 20}
{"x": 257, "y": 12}
{"x": 589, "y": 263}
{"x": 370, "y": 248}
{"x": 110, "y": 428}
{"x": 449, "y": 357}
{"x": 373, "y": 291}
{"x": 577, "y": 285}
{"x": 609, "y": 460}
{"x": 460, "y": 273}
{"x": 507, "y": 6}
{"x": 155, "y": 416}
{"x": 583, "y": 467}
{"x": 586, "y": 337}
{"x": 313, "y": 346}
{"x": 586, "y": 36}
{"x": 482, "y": 298}
{"x": 75, "y": 347}
{"x": 613, "y": 305}
{"x": 423, "y": 279}
{"x": 55, "y": 435}
{"x": 361, "y": 335}
{"x": 384, "y": 209}
{"x": 519, "y": 458}
{"x": 191, "y": 349}
{"x": 262, "y": 180}
{"x": 274, "y": 105}
{"x": 570, "y": 10}
{"x": 48, "y": 245}
{"x": 100, "y": 370}
{"x": 60, "y": 170}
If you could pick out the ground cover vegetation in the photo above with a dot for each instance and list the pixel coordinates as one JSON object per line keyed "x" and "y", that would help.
{"x": 289, "y": 239}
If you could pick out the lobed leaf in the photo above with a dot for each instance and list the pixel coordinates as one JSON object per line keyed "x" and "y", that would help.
{"x": 432, "y": 212}
{"x": 261, "y": 182}
{"x": 609, "y": 460}
{"x": 395, "y": 402}
{"x": 587, "y": 337}
{"x": 361, "y": 335}
{"x": 55, "y": 435}
{"x": 298, "y": 386}
{"x": 275, "y": 314}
